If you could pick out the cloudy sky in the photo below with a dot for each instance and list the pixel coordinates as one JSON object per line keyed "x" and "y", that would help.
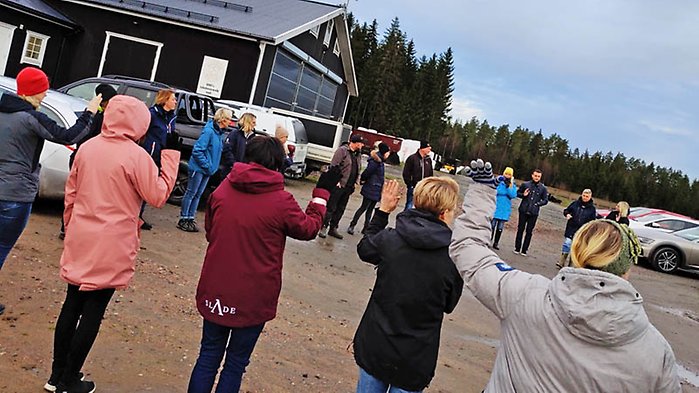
{"x": 619, "y": 75}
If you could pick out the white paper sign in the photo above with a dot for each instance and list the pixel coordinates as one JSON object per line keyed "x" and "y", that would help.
{"x": 213, "y": 73}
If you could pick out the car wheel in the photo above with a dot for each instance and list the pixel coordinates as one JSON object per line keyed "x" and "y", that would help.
{"x": 667, "y": 259}
{"x": 180, "y": 188}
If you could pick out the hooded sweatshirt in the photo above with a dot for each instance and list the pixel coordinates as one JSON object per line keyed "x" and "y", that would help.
{"x": 582, "y": 331}
{"x": 102, "y": 201}
{"x": 397, "y": 340}
{"x": 248, "y": 219}
{"x": 22, "y": 133}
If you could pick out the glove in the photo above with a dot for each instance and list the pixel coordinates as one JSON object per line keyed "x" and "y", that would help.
{"x": 173, "y": 141}
{"x": 481, "y": 172}
{"x": 328, "y": 180}
{"x": 501, "y": 179}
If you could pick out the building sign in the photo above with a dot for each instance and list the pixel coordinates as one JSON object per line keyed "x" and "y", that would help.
{"x": 213, "y": 73}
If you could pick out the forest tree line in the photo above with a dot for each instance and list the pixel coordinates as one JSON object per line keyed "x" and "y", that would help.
{"x": 410, "y": 97}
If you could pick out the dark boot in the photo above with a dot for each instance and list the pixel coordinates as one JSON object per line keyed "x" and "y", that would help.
{"x": 498, "y": 233}
{"x": 350, "y": 229}
{"x": 323, "y": 232}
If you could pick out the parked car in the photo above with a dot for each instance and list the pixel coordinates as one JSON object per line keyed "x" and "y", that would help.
{"x": 669, "y": 252}
{"x": 193, "y": 111}
{"x": 664, "y": 222}
{"x": 267, "y": 123}
{"x": 64, "y": 110}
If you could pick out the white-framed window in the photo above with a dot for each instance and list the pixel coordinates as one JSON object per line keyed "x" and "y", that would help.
{"x": 328, "y": 32}
{"x": 34, "y": 48}
{"x": 315, "y": 31}
{"x": 336, "y": 48}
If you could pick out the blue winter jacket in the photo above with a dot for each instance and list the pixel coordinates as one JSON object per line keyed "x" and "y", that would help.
{"x": 206, "y": 154}
{"x": 373, "y": 177}
{"x": 161, "y": 124}
{"x": 503, "y": 200}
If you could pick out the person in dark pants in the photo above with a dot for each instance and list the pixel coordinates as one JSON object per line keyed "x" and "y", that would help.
{"x": 107, "y": 92}
{"x": 102, "y": 239}
{"x": 534, "y": 195}
{"x": 236, "y": 140}
{"x": 578, "y": 213}
{"x": 23, "y": 130}
{"x": 417, "y": 167}
{"x": 248, "y": 219}
{"x": 372, "y": 179}
{"x": 161, "y": 131}
{"x": 346, "y": 161}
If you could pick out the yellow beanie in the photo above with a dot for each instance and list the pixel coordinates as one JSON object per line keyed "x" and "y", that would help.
{"x": 509, "y": 171}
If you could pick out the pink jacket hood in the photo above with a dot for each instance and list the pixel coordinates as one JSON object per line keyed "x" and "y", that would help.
{"x": 125, "y": 116}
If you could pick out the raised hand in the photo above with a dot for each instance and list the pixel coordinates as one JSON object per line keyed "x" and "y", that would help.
{"x": 481, "y": 172}
{"x": 390, "y": 195}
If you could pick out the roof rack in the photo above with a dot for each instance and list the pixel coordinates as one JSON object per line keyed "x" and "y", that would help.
{"x": 169, "y": 10}
{"x": 133, "y": 78}
{"x": 225, "y": 4}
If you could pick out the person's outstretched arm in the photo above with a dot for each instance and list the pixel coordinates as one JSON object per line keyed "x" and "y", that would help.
{"x": 154, "y": 187}
{"x": 493, "y": 282}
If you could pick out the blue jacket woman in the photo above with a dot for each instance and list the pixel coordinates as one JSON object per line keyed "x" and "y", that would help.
{"x": 206, "y": 156}
{"x": 505, "y": 193}
{"x": 372, "y": 179}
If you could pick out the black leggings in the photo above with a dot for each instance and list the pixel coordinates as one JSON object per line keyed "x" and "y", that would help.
{"x": 76, "y": 330}
{"x": 368, "y": 207}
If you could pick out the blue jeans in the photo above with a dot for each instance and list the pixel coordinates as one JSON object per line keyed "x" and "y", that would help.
{"x": 498, "y": 224}
{"x": 237, "y": 343}
{"x": 13, "y": 218}
{"x": 195, "y": 188}
{"x": 409, "y": 198}
{"x": 566, "y": 245}
{"x": 369, "y": 384}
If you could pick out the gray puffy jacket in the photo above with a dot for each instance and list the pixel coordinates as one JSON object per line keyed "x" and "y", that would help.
{"x": 582, "y": 331}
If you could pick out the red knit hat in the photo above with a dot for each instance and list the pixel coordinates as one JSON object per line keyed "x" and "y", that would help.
{"x": 31, "y": 81}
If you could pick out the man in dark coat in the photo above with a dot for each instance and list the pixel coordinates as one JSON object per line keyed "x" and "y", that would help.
{"x": 578, "y": 213}
{"x": 534, "y": 195}
{"x": 346, "y": 161}
{"x": 397, "y": 342}
{"x": 417, "y": 167}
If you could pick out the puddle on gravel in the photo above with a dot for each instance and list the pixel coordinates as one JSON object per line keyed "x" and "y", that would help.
{"x": 684, "y": 314}
{"x": 491, "y": 342}
{"x": 688, "y": 375}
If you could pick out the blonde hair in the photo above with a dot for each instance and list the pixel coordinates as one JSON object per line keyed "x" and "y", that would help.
{"x": 623, "y": 209}
{"x": 436, "y": 194}
{"x": 596, "y": 245}
{"x": 34, "y": 100}
{"x": 223, "y": 114}
{"x": 245, "y": 122}
{"x": 162, "y": 96}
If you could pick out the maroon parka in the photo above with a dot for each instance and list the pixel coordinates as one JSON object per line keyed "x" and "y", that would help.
{"x": 247, "y": 221}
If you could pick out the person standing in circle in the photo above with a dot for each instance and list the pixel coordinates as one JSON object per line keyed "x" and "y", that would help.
{"x": 506, "y": 192}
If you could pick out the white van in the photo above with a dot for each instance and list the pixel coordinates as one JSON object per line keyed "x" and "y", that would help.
{"x": 267, "y": 122}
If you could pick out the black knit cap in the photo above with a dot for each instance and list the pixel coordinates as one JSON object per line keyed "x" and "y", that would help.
{"x": 107, "y": 91}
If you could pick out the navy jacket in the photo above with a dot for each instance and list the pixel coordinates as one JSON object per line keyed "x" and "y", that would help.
{"x": 161, "y": 124}
{"x": 373, "y": 178}
{"x": 538, "y": 196}
{"x": 234, "y": 149}
{"x": 582, "y": 212}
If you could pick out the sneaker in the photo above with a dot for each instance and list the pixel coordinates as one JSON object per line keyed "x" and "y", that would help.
{"x": 193, "y": 226}
{"x": 77, "y": 387}
{"x": 350, "y": 230}
{"x": 323, "y": 232}
{"x": 182, "y": 225}
{"x": 516, "y": 251}
{"x": 334, "y": 233}
{"x": 523, "y": 253}
{"x": 53, "y": 382}
{"x": 146, "y": 226}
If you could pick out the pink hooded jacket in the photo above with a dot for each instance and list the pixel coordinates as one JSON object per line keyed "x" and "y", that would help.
{"x": 110, "y": 178}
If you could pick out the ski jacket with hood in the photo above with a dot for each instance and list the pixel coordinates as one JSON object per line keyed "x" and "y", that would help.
{"x": 248, "y": 219}
{"x": 503, "y": 203}
{"x": 397, "y": 340}
{"x": 373, "y": 177}
{"x": 206, "y": 153}
{"x": 582, "y": 331}
{"x": 581, "y": 212}
{"x": 102, "y": 201}
{"x": 23, "y": 130}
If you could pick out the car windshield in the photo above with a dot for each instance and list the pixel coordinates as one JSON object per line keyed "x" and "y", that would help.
{"x": 689, "y": 234}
